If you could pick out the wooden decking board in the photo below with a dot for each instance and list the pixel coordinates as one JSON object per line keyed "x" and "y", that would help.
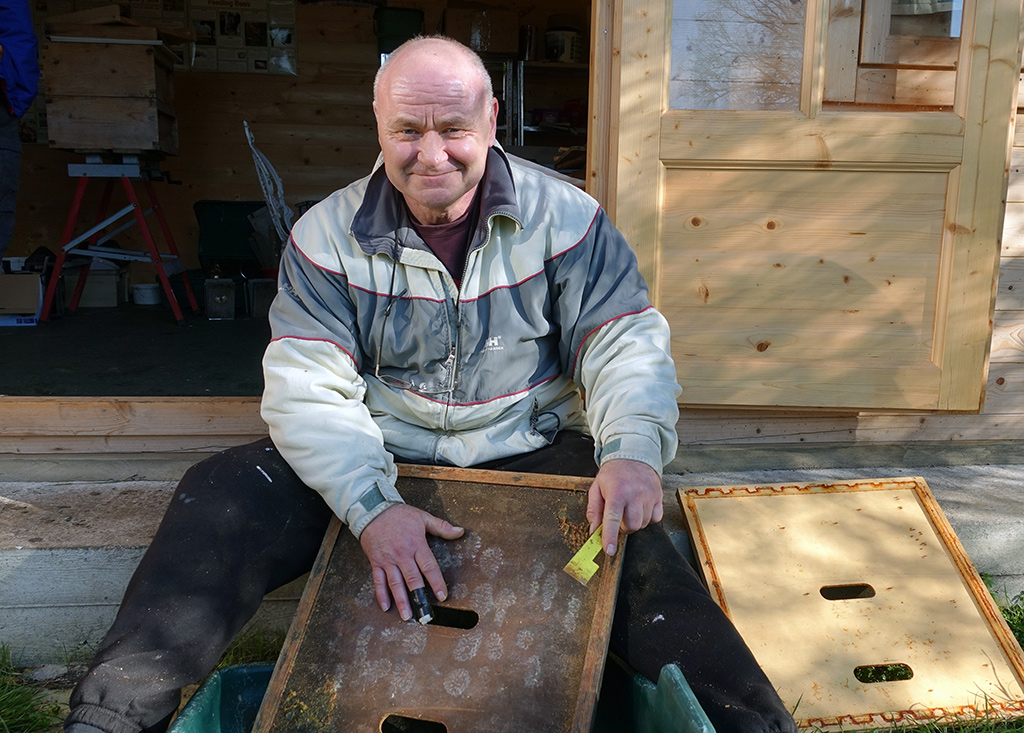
{"x": 823, "y": 579}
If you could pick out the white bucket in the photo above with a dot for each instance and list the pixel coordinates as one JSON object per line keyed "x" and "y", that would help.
{"x": 146, "y": 294}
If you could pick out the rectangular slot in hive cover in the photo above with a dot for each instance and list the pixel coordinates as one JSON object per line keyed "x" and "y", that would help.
{"x": 858, "y": 601}
{"x": 518, "y": 646}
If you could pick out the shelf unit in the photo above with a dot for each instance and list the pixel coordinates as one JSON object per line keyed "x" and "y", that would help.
{"x": 522, "y": 86}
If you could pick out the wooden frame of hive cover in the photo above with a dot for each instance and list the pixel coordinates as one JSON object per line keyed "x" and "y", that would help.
{"x": 858, "y": 601}
{"x": 518, "y": 645}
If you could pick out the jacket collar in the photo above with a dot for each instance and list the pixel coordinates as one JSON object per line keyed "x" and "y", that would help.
{"x": 382, "y": 226}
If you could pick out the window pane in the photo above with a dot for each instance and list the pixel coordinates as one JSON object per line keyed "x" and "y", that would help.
{"x": 736, "y": 54}
{"x": 899, "y": 53}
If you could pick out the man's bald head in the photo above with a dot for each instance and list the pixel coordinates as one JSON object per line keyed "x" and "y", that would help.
{"x": 442, "y": 48}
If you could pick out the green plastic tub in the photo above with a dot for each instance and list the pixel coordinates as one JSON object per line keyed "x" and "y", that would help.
{"x": 227, "y": 702}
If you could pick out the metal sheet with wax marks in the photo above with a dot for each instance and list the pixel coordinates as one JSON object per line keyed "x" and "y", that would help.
{"x": 524, "y": 644}
{"x": 858, "y": 600}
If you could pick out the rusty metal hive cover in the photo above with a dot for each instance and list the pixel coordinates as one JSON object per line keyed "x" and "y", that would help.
{"x": 858, "y": 601}
{"x": 533, "y": 658}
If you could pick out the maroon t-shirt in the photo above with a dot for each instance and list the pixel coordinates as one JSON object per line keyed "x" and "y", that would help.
{"x": 450, "y": 241}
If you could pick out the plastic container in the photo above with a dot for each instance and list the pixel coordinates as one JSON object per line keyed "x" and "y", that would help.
{"x": 148, "y": 294}
{"x": 564, "y": 45}
{"x": 228, "y": 701}
{"x": 224, "y": 231}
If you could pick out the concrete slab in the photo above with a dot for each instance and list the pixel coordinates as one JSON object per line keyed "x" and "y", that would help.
{"x": 80, "y": 514}
{"x": 67, "y": 552}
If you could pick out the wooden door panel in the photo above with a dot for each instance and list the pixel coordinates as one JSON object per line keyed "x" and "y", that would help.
{"x": 895, "y": 138}
{"x": 768, "y": 270}
{"x": 771, "y": 339}
{"x": 819, "y": 283}
{"x": 836, "y": 256}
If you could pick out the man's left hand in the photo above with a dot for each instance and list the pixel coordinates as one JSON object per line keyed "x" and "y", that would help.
{"x": 626, "y": 496}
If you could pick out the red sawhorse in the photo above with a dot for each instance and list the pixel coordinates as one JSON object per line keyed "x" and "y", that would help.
{"x": 90, "y": 243}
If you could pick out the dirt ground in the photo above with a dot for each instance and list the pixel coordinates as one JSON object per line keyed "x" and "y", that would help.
{"x": 81, "y": 514}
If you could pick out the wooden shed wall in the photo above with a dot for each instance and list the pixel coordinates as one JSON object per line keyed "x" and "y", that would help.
{"x": 316, "y": 128}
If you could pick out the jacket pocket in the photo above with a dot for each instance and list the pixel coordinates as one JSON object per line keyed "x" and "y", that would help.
{"x": 544, "y": 425}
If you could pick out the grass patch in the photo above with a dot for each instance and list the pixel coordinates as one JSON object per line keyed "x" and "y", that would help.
{"x": 23, "y": 707}
{"x": 1014, "y": 616}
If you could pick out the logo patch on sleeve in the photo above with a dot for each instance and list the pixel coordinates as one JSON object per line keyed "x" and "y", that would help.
{"x": 611, "y": 446}
{"x": 372, "y": 498}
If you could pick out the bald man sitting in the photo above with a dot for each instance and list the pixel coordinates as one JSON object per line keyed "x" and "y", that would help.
{"x": 450, "y": 308}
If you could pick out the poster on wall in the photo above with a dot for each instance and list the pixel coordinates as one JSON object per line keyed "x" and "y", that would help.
{"x": 244, "y": 36}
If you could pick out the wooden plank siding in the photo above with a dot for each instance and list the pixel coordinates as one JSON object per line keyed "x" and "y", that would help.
{"x": 57, "y": 426}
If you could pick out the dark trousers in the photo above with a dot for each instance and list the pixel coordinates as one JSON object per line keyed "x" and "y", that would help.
{"x": 241, "y": 524}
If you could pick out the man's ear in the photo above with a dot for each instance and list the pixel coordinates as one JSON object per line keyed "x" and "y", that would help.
{"x": 494, "y": 119}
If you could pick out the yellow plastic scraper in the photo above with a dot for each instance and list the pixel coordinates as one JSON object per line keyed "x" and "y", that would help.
{"x": 583, "y": 566}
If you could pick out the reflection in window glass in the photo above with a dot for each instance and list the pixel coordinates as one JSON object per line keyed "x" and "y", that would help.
{"x": 736, "y": 54}
{"x": 929, "y": 18}
{"x": 900, "y": 54}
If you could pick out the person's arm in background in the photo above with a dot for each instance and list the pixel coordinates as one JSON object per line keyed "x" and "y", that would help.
{"x": 19, "y": 58}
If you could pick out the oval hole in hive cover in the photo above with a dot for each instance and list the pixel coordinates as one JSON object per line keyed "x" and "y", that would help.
{"x": 454, "y": 618}
{"x": 402, "y": 724}
{"x": 871, "y": 673}
{"x": 847, "y": 591}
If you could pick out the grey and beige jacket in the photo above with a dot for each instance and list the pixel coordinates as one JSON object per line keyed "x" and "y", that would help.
{"x": 376, "y": 352}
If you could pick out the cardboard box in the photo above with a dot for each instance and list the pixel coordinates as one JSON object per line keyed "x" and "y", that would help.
{"x": 19, "y": 320}
{"x": 116, "y": 96}
{"x": 21, "y": 294}
{"x": 483, "y": 28}
{"x": 103, "y": 288}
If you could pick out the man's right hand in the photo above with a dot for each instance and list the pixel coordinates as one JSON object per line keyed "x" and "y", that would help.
{"x": 395, "y": 542}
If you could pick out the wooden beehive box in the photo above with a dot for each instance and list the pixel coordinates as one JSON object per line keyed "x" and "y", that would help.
{"x": 109, "y": 88}
{"x": 518, "y": 646}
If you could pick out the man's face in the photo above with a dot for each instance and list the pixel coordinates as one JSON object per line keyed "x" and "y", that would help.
{"x": 435, "y": 125}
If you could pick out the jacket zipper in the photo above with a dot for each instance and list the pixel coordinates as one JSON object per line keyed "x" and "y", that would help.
{"x": 452, "y": 362}
{"x": 453, "y": 356}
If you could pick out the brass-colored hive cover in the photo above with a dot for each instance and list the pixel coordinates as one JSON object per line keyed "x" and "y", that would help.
{"x": 858, "y": 601}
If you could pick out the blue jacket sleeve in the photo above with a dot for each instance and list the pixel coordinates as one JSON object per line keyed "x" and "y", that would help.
{"x": 19, "y": 57}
